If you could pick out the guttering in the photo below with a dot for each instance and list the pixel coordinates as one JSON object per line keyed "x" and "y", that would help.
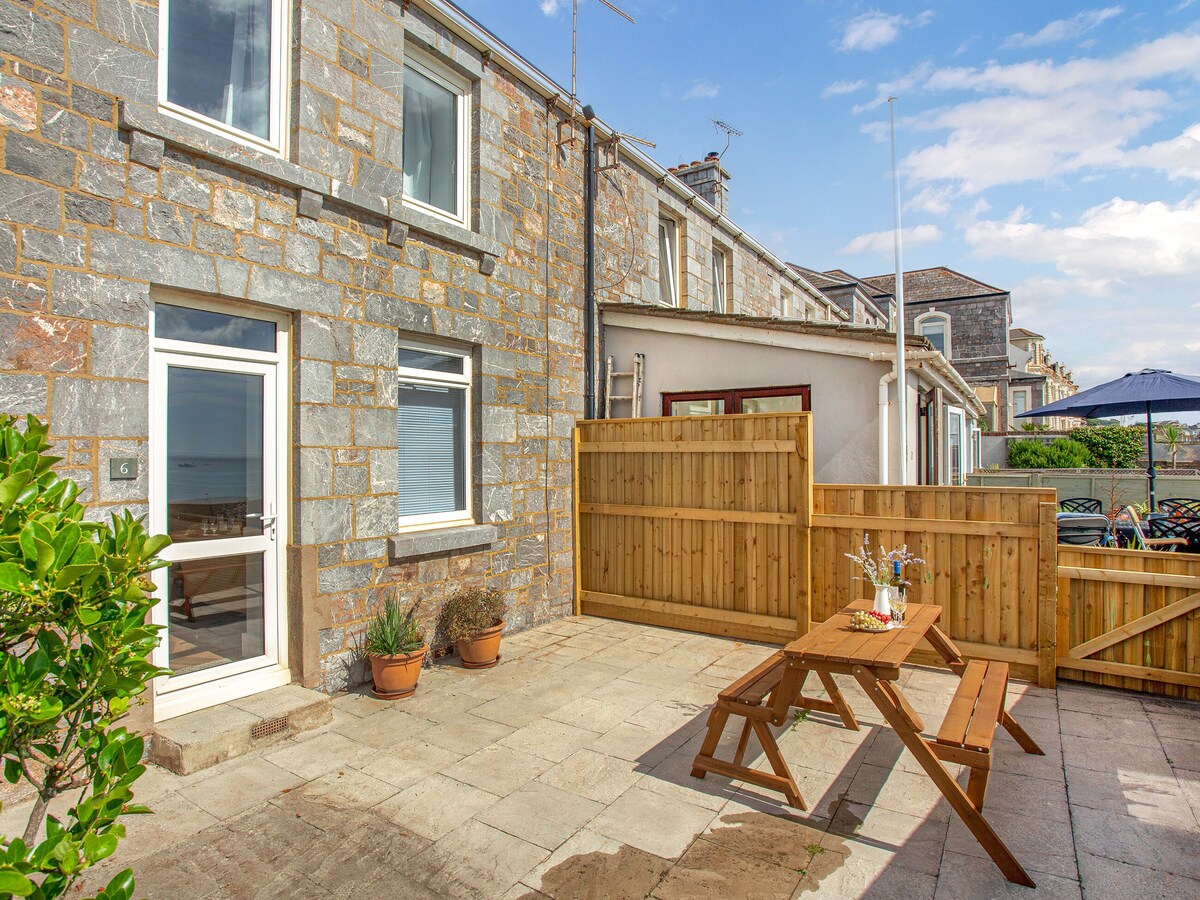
{"x": 940, "y": 367}
{"x": 589, "y": 271}
{"x": 462, "y": 24}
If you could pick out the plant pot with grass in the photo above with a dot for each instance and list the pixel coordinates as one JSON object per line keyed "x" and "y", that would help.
{"x": 474, "y": 619}
{"x": 395, "y": 646}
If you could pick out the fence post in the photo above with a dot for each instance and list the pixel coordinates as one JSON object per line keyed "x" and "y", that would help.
{"x": 1047, "y": 630}
{"x": 802, "y": 536}
{"x": 576, "y": 541}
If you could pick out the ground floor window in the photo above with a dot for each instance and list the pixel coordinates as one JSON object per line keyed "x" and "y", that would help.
{"x": 433, "y": 435}
{"x": 793, "y": 398}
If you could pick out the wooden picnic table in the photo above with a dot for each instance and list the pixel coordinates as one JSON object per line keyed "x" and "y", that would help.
{"x": 874, "y": 660}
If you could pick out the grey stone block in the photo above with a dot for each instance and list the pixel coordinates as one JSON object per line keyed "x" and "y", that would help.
{"x": 38, "y": 159}
{"x": 324, "y": 426}
{"x": 325, "y": 521}
{"x": 487, "y": 264}
{"x": 295, "y": 292}
{"x": 22, "y": 394}
{"x": 309, "y": 204}
{"x": 397, "y": 233}
{"x": 374, "y": 346}
{"x": 315, "y": 381}
{"x": 441, "y": 540}
{"x": 101, "y": 408}
{"x": 111, "y": 66}
{"x": 118, "y": 254}
{"x": 130, "y": 22}
{"x": 28, "y": 36}
{"x": 315, "y": 470}
{"x": 28, "y": 202}
{"x": 344, "y": 578}
{"x": 374, "y": 427}
{"x": 322, "y": 338}
{"x": 120, "y": 352}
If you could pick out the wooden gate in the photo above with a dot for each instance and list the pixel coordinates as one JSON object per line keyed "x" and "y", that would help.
{"x": 699, "y": 523}
{"x": 1130, "y": 619}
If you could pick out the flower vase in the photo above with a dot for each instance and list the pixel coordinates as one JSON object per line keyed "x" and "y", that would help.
{"x": 883, "y": 602}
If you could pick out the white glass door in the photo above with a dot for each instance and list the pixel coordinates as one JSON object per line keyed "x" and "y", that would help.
{"x": 217, "y": 489}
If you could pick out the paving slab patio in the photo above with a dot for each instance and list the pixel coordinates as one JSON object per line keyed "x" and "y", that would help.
{"x": 565, "y": 773}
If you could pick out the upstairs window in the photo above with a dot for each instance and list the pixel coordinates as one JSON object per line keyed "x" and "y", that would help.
{"x": 433, "y": 435}
{"x": 668, "y": 260}
{"x": 221, "y": 63}
{"x": 436, "y": 117}
{"x": 720, "y": 292}
{"x": 936, "y": 328}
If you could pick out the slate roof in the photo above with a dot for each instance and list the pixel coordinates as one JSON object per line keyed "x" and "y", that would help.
{"x": 820, "y": 280}
{"x": 1024, "y": 333}
{"x": 870, "y": 289}
{"x": 938, "y": 283}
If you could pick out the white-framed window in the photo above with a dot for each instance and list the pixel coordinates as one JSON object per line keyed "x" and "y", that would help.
{"x": 437, "y": 122}
{"x": 956, "y": 439}
{"x": 935, "y": 327}
{"x": 222, "y": 65}
{"x": 787, "y": 304}
{"x": 1020, "y": 402}
{"x": 668, "y": 261}
{"x": 433, "y": 435}
{"x": 720, "y": 288}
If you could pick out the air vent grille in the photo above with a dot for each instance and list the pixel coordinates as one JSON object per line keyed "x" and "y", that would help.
{"x": 269, "y": 727}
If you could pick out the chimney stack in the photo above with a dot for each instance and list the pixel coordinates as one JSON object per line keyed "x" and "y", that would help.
{"x": 708, "y": 179}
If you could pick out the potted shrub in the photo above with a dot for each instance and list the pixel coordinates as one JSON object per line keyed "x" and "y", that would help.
{"x": 395, "y": 646}
{"x": 474, "y": 619}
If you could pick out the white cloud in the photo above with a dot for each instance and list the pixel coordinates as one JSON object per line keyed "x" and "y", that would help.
{"x": 843, "y": 87}
{"x": 1065, "y": 29}
{"x": 876, "y": 29}
{"x": 702, "y": 90}
{"x": 551, "y": 7}
{"x": 1111, "y": 244}
{"x": 882, "y": 241}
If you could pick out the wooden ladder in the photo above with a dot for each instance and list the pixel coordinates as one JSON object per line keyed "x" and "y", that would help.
{"x": 635, "y": 395}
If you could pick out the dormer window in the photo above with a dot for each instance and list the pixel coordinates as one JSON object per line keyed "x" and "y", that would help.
{"x": 935, "y": 327}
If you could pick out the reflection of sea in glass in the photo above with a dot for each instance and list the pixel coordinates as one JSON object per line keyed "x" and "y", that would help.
{"x": 216, "y": 611}
{"x": 214, "y": 454}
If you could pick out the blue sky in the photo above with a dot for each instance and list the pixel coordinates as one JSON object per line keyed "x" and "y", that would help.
{"x": 1052, "y": 149}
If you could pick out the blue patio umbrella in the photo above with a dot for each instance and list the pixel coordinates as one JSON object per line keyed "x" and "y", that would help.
{"x": 1148, "y": 391}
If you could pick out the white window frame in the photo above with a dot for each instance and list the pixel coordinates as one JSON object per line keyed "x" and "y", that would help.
{"x": 281, "y": 28}
{"x": 671, "y": 262}
{"x": 461, "y": 88}
{"x": 954, "y": 413}
{"x": 941, "y": 318}
{"x": 406, "y": 375}
{"x": 719, "y": 263}
{"x": 787, "y": 304}
{"x": 1025, "y": 392}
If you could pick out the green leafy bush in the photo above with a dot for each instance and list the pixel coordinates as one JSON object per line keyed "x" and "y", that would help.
{"x": 471, "y": 611}
{"x": 1060, "y": 453}
{"x": 1112, "y": 446}
{"x": 74, "y": 601}
{"x": 393, "y": 632}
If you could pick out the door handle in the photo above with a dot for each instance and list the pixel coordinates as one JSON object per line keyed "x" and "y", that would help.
{"x": 268, "y": 521}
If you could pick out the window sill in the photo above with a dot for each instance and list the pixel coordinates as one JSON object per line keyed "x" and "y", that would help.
{"x": 427, "y": 223}
{"x": 441, "y": 540}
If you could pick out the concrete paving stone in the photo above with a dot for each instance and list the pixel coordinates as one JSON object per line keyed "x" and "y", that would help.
{"x": 173, "y": 819}
{"x": 360, "y": 703}
{"x": 817, "y": 746}
{"x": 632, "y": 742}
{"x": 1034, "y": 706}
{"x": 589, "y": 866}
{"x": 441, "y": 707}
{"x": 1103, "y": 877}
{"x": 467, "y": 733}
{"x": 590, "y": 641}
{"x": 407, "y": 762}
{"x": 560, "y": 654}
{"x": 344, "y": 787}
{"x": 1181, "y": 753}
{"x": 541, "y": 814}
{"x": 476, "y": 860}
{"x": 569, "y": 626}
{"x": 658, "y": 824}
{"x": 964, "y": 876}
{"x": 898, "y": 791}
{"x": 844, "y": 876}
{"x": 776, "y": 834}
{"x": 596, "y": 776}
{"x": 710, "y": 870}
{"x": 656, "y": 675}
{"x": 1174, "y": 725}
{"x": 1008, "y": 757}
{"x": 550, "y": 739}
{"x": 1016, "y": 794}
{"x": 590, "y": 713}
{"x": 240, "y": 788}
{"x": 887, "y": 837}
{"x": 516, "y": 709}
{"x": 313, "y": 758}
{"x": 1167, "y": 706}
{"x": 1114, "y": 729}
{"x": 497, "y": 769}
{"x": 1164, "y": 848}
{"x": 1100, "y": 701}
{"x": 1105, "y": 756}
{"x": 1150, "y": 798}
{"x": 1189, "y": 787}
{"x": 623, "y": 657}
{"x": 382, "y": 729}
{"x": 436, "y": 806}
{"x": 628, "y": 694}
{"x": 1039, "y": 844}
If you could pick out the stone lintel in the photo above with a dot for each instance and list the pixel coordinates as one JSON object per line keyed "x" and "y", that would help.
{"x": 441, "y": 540}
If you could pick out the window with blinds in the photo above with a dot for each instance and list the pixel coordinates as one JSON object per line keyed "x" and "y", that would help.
{"x": 433, "y": 435}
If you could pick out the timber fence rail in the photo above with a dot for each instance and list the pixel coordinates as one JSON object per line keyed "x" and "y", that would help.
{"x": 699, "y": 523}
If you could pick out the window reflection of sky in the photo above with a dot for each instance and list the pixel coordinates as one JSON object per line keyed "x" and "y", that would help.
{"x": 177, "y": 323}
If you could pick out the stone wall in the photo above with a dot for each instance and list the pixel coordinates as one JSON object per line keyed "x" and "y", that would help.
{"x": 978, "y": 333}
{"x": 107, "y": 204}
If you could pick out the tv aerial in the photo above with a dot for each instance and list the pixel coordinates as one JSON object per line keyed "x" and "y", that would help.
{"x": 729, "y": 131}
{"x": 566, "y": 132}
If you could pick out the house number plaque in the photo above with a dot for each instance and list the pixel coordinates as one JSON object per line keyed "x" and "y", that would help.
{"x": 122, "y": 468}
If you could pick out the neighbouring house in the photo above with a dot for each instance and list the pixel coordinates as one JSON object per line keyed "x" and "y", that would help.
{"x": 705, "y": 363}
{"x": 970, "y": 322}
{"x": 1037, "y": 379}
{"x": 863, "y": 303}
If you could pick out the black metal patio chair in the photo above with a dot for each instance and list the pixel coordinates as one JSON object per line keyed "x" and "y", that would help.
{"x": 1186, "y": 506}
{"x": 1186, "y": 527}
{"x": 1081, "y": 505}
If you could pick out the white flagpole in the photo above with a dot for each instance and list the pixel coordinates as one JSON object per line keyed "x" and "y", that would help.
{"x": 901, "y": 371}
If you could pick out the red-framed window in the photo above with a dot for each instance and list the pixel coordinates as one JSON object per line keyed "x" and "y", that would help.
{"x": 791, "y": 398}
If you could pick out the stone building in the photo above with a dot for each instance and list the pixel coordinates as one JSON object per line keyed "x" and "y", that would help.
{"x": 1038, "y": 379}
{"x": 863, "y": 303}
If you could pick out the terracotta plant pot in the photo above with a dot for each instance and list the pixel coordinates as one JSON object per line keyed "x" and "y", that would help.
{"x": 483, "y": 650}
{"x": 396, "y": 676}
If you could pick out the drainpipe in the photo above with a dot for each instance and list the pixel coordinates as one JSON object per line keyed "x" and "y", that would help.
{"x": 589, "y": 268}
{"x": 884, "y": 424}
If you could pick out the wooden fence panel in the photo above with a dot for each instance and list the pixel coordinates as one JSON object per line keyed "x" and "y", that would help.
{"x": 696, "y": 522}
{"x": 1130, "y": 619}
{"x": 988, "y": 553}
